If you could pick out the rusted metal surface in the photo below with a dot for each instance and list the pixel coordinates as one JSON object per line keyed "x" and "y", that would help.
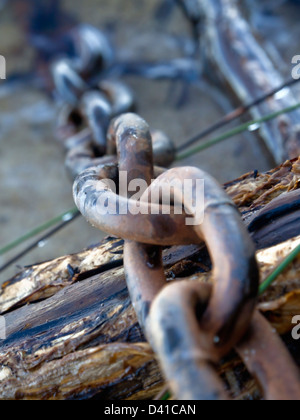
{"x": 221, "y": 218}
{"x": 135, "y": 154}
{"x": 269, "y": 361}
{"x": 235, "y": 270}
{"x": 143, "y": 264}
{"x": 262, "y": 351}
{"x": 178, "y": 340}
{"x": 188, "y": 331}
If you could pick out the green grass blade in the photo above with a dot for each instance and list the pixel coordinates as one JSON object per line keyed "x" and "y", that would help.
{"x": 238, "y": 130}
{"x": 166, "y": 396}
{"x": 63, "y": 217}
{"x": 279, "y": 270}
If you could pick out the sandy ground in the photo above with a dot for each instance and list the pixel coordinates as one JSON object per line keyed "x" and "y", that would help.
{"x": 34, "y": 184}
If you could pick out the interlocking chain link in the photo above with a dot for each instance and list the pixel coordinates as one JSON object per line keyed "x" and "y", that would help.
{"x": 190, "y": 325}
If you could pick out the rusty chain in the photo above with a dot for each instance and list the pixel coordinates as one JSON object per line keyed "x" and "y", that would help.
{"x": 190, "y": 325}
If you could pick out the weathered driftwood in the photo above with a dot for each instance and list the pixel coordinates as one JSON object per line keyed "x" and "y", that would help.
{"x": 247, "y": 70}
{"x": 72, "y": 332}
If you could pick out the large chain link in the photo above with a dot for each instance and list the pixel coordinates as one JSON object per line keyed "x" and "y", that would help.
{"x": 190, "y": 325}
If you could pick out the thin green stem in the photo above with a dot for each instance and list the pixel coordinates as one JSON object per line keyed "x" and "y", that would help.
{"x": 166, "y": 396}
{"x": 63, "y": 217}
{"x": 234, "y": 115}
{"x": 279, "y": 270}
{"x": 238, "y": 130}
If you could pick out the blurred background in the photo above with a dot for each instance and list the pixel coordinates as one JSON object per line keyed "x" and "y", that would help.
{"x": 34, "y": 184}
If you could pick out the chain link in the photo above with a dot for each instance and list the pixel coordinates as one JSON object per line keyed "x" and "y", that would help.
{"x": 190, "y": 325}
